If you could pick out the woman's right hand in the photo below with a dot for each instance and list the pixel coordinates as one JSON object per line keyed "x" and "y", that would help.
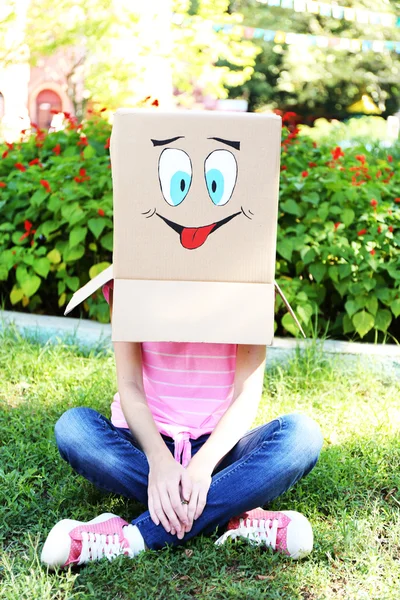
{"x": 169, "y": 484}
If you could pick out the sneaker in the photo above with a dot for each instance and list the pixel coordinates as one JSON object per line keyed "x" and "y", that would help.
{"x": 287, "y": 532}
{"x": 75, "y": 543}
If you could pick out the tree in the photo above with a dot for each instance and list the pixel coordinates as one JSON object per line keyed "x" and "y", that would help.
{"x": 320, "y": 81}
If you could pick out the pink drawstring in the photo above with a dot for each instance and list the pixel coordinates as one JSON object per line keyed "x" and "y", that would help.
{"x": 183, "y": 449}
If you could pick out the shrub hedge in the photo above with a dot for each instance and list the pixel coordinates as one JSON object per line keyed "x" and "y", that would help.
{"x": 338, "y": 253}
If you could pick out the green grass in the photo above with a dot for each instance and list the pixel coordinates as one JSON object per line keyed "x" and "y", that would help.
{"x": 352, "y": 496}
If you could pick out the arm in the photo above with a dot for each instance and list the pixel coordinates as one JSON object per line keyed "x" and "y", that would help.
{"x": 249, "y": 377}
{"x": 165, "y": 474}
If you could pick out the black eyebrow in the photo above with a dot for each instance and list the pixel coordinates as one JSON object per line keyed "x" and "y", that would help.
{"x": 163, "y": 142}
{"x": 235, "y": 145}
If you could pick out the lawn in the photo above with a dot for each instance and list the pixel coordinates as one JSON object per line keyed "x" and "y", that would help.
{"x": 352, "y": 497}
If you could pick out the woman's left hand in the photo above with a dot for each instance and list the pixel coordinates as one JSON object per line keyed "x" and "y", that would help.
{"x": 201, "y": 481}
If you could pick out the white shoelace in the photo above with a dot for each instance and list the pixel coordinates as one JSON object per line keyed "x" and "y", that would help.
{"x": 257, "y": 531}
{"x": 95, "y": 546}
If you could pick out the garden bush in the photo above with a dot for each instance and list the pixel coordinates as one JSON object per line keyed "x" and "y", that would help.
{"x": 338, "y": 253}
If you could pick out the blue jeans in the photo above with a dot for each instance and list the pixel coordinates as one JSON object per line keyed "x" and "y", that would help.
{"x": 264, "y": 463}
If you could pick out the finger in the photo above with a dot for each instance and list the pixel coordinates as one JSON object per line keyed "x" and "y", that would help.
{"x": 159, "y": 512}
{"x": 177, "y": 505}
{"x": 186, "y": 486}
{"x": 192, "y": 506}
{"x": 202, "y": 500}
{"x": 169, "y": 511}
{"x": 153, "y": 515}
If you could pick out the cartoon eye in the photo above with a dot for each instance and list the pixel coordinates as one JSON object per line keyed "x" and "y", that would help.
{"x": 221, "y": 173}
{"x": 175, "y": 173}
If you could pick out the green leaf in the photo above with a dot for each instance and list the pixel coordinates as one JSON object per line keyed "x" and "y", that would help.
{"x": 348, "y": 215}
{"x": 323, "y": 211}
{"x": 77, "y": 235}
{"x": 285, "y": 248}
{"x": 348, "y": 326}
{"x": 341, "y": 287}
{"x": 62, "y": 299}
{"x": 344, "y": 270}
{"x": 289, "y": 324}
{"x": 54, "y": 256}
{"x": 107, "y": 241}
{"x": 312, "y": 198}
{"x": 395, "y": 306}
{"x": 31, "y": 285}
{"x": 97, "y": 269}
{"x": 309, "y": 256}
{"x": 383, "y": 319}
{"x": 372, "y": 305}
{"x": 75, "y": 253}
{"x": 41, "y": 266}
{"x": 89, "y": 152}
{"x": 21, "y": 273}
{"x": 334, "y": 273}
{"x": 61, "y": 287}
{"x": 291, "y": 207}
{"x": 304, "y": 312}
{"x": 96, "y": 226}
{"x": 72, "y": 283}
{"x": 363, "y": 322}
{"x": 351, "y": 307}
{"x": 49, "y": 226}
{"x": 369, "y": 284}
{"x": 7, "y": 227}
{"x": 16, "y": 295}
{"x": 38, "y": 197}
{"x": 318, "y": 271}
{"x": 3, "y": 273}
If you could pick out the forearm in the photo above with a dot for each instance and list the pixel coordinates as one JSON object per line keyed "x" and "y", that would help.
{"x": 231, "y": 427}
{"x": 141, "y": 423}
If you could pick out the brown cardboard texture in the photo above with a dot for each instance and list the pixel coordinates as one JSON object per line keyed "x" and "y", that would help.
{"x": 195, "y": 220}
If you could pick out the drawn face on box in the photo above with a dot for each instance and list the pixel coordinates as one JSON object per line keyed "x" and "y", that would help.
{"x": 195, "y": 195}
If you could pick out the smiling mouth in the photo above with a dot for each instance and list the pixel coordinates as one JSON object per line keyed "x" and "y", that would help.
{"x": 194, "y": 237}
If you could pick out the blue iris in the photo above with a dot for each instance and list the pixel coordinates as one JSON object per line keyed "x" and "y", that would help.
{"x": 179, "y": 187}
{"x": 215, "y": 185}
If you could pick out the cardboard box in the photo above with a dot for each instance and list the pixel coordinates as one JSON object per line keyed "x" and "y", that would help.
{"x": 195, "y": 221}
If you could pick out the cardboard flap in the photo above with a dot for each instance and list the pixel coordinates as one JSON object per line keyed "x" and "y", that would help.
{"x": 193, "y": 311}
{"x": 89, "y": 288}
{"x": 290, "y": 309}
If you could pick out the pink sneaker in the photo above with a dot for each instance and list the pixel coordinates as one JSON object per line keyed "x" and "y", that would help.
{"x": 75, "y": 542}
{"x": 288, "y": 531}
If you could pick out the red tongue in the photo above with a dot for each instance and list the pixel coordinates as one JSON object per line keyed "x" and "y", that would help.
{"x": 194, "y": 237}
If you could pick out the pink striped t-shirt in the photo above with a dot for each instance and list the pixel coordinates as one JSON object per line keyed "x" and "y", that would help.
{"x": 188, "y": 387}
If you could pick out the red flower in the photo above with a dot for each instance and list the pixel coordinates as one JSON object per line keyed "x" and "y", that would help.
{"x": 361, "y": 158}
{"x": 28, "y": 230}
{"x": 101, "y": 212}
{"x": 284, "y": 168}
{"x": 107, "y": 144}
{"x": 374, "y": 202}
{"x": 390, "y": 228}
{"x": 45, "y": 184}
{"x": 82, "y": 176}
{"x": 82, "y": 172}
{"x": 67, "y": 115}
{"x": 390, "y": 158}
{"x": 379, "y": 229}
{"x": 337, "y": 153}
{"x": 397, "y": 200}
{"x": 10, "y": 146}
{"x": 83, "y": 141}
{"x": 5, "y": 154}
{"x": 20, "y": 167}
{"x": 288, "y": 116}
{"x": 336, "y": 225}
{"x": 2, "y": 184}
{"x": 23, "y": 131}
{"x": 155, "y": 102}
{"x": 378, "y": 174}
{"x": 372, "y": 252}
{"x": 362, "y": 232}
{"x": 304, "y": 174}
{"x": 57, "y": 150}
{"x": 103, "y": 109}
{"x": 314, "y": 145}
{"x": 312, "y": 164}
{"x": 35, "y": 161}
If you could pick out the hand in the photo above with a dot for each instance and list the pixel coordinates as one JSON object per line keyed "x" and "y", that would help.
{"x": 201, "y": 481}
{"x": 168, "y": 484}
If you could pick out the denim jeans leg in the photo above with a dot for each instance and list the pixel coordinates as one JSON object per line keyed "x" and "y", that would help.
{"x": 265, "y": 463}
{"x": 102, "y": 453}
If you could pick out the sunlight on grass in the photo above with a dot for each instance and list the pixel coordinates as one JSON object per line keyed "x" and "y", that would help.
{"x": 352, "y": 496}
